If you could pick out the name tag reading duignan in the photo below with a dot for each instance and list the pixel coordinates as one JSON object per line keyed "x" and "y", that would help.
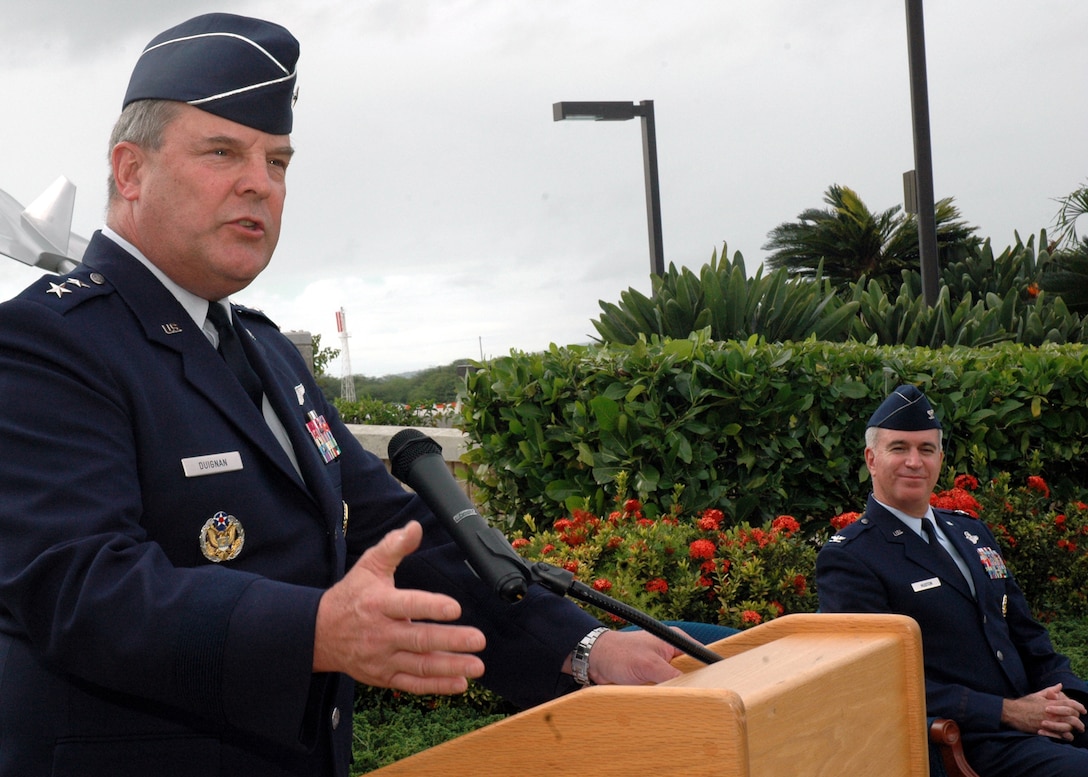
{"x": 212, "y": 464}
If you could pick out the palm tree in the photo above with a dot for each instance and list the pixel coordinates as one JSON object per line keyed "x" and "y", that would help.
{"x": 851, "y": 241}
{"x": 1067, "y": 275}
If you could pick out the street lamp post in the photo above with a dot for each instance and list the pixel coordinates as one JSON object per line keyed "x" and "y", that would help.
{"x": 624, "y": 111}
{"x": 923, "y": 153}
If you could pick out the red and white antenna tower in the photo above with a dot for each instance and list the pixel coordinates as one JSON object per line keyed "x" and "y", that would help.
{"x": 347, "y": 380}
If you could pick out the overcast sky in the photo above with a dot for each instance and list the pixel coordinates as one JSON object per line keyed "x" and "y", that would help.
{"x": 435, "y": 200}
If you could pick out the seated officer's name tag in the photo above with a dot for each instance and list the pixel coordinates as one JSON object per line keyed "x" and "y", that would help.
{"x": 925, "y": 585}
{"x": 212, "y": 464}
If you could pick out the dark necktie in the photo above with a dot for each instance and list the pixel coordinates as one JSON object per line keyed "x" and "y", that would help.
{"x": 230, "y": 348}
{"x": 935, "y": 542}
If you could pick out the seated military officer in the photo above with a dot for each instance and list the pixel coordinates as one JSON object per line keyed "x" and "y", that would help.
{"x": 989, "y": 664}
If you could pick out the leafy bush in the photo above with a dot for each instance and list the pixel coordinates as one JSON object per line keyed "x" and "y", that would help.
{"x": 750, "y": 428}
{"x": 983, "y": 300}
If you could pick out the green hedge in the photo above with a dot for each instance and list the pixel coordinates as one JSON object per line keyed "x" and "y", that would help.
{"x": 752, "y": 428}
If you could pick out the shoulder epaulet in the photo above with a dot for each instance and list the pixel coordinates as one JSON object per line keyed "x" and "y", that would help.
{"x": 254, "y": 314}
{"x": 62, "y": 293}
{"x": 960, "y": 513}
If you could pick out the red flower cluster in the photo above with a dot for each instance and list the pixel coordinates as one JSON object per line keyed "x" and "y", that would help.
{"x": 752, "y": 617}
{"x": 842, "y": 520}
{"x": 956, "y": 499}
{"x": 603, "y": 585}
{"x": 578, "y": 528}
{"x": 702, "y": 549}
{"x": 658, "y": 585}
{"x": 966, "y": 482}
{"x": 800, "y": 584}
{"x": 1036, "y": 483}
{"x": 786, "y": 525}
{"x": 711, "y": 520}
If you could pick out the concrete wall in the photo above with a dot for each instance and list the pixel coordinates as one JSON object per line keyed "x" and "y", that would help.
{"x": 376, "y": 439}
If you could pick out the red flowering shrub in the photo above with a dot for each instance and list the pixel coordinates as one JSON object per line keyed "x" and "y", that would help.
{"x": 1044, "y": 544}
{"x": 956, "y": 499}
{"x": 677, "y": 567}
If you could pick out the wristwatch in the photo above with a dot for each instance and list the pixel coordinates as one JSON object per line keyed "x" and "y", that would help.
{"x": 579, "y": 660}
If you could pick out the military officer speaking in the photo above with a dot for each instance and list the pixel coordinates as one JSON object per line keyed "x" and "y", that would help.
{"x": 196, "y": 556}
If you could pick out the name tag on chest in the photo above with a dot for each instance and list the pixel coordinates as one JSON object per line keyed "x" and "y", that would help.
{"x": 925, "y": 585}
{"x": 212, "y": 464}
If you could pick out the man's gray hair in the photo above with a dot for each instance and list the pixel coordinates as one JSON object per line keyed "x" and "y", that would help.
{"x": 141, "y": 123}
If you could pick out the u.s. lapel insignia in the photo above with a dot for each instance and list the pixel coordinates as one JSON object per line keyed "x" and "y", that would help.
{"x": 972, "y": 538}
{"x": 222, "y": 537}
{"x": 897, "y": 533}
{"x": 171, "y": 329}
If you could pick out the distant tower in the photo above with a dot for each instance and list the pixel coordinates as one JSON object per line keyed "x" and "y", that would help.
{"x": 347, "y": 380}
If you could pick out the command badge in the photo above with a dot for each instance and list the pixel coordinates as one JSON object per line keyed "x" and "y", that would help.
{"x": 222, "y": 537}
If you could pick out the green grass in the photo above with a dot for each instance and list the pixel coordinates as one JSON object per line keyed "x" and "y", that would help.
{"x": 384, "y": 735}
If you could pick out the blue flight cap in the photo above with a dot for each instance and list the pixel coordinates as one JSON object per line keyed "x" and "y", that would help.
{"x": 239, "y": 68}
{"x": 907, "y": 410}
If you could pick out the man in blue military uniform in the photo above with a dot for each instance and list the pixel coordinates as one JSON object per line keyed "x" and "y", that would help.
{"x": 196, "y": 556}
{"x": 988, "y": 664}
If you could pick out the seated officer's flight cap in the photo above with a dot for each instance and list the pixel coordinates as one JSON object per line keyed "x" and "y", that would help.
{"x": 907, "y": 410}
{"x": 235, "y": 67}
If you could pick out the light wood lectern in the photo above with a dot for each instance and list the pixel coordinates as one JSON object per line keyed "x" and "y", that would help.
{"x": 801, "y": 695}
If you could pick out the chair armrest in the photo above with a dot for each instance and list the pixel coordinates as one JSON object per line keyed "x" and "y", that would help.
{"x": 945, "y": 733}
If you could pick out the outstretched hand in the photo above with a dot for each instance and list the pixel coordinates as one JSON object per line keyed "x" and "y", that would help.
{"x": 394, "y": 638}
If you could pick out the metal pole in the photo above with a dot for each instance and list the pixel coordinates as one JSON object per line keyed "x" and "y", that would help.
{"x": 923, "y": 154}
{"x": 653, "y": 187}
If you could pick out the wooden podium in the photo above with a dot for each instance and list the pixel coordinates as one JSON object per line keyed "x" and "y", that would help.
{"x": 819, "y": 695}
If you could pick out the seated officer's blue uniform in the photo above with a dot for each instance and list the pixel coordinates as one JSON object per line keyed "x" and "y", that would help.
{"x": 979, "y": 647}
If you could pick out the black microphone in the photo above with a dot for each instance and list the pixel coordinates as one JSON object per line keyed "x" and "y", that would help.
{"x": 416, "y": 460}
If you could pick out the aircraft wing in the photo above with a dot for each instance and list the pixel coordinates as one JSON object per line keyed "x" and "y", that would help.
{"x": 41, "y": 233}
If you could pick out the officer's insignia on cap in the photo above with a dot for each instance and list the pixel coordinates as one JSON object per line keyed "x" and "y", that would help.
{"x": 222, "y": 537}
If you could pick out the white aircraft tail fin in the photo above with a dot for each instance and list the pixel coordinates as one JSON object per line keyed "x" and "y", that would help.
{"x": 50, "y": 215}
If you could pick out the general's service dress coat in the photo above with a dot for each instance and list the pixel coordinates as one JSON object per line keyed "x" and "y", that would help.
{"x": 124, "y": 441}
{"x": 977, "y": 651}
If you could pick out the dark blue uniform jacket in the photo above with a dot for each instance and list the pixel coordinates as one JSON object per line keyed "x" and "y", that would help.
{"x": 123, "y": 650}
{"x": 977, "y": 652}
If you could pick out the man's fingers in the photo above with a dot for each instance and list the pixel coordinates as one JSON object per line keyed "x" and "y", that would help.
{"x": 426, "y": 638}
{"x": 384, "y": 558}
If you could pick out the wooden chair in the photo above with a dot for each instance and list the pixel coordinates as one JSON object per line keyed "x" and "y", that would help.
{"x": 944, "y": 738}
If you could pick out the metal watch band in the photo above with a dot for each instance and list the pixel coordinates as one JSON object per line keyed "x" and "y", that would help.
{"x": 579, "y": 662}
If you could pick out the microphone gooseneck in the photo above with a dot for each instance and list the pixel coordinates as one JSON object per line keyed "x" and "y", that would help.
{"x": 416, "y": 460}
